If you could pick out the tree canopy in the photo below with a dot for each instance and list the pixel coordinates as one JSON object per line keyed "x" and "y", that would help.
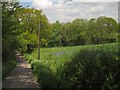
{"x": 20, "y": 30}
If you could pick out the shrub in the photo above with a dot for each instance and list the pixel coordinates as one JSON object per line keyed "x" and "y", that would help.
{"x": 44, "y": 74}
{"x": 93, "y": 69}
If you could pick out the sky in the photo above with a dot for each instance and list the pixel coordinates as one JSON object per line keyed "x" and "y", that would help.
{"x": 68, "y": 11}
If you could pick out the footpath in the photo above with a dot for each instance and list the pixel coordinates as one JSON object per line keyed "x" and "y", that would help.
{"x": 21, "y": 76}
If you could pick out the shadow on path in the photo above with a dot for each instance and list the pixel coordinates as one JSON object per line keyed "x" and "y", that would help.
{"x": 21, "y": 76}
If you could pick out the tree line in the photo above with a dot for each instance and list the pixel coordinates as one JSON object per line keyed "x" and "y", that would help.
{"x": 20, "y": 30}
{"x": 81, "y": 32}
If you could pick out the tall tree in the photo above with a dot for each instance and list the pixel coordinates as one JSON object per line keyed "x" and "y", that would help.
{"x": 30, "y": 19}
{"x": 10, "y": 28}
{"x": 107, "y": 28}
{"x": 92, "y": 31}
{"x": 80, "y": 29}
{"x": 55, "y": 39}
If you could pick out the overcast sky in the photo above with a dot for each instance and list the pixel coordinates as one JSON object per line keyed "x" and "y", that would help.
{"x": 65, "y": 12}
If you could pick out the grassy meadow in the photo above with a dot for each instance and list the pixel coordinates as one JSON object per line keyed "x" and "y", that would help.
{"x": 60, "y": 67}
{"x": 56, "y": 56}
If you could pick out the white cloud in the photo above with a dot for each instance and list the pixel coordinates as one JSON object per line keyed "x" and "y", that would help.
{"x": 42, "y": 4}
{"x": 95, "y": 0}
{"x": 97, "y": 8}
{"x": 65, "y": 12}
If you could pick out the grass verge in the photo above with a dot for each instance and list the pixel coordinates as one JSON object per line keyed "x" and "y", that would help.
{"x": 8, "y": 66}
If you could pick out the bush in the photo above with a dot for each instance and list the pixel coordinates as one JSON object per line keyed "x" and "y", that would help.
{"x": 93, "y": 69}
{"x": 28, "y": 57}
{"x": 44, "y": 74}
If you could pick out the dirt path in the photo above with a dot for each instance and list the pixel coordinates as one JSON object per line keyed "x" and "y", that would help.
{"x": 21, "y": 76}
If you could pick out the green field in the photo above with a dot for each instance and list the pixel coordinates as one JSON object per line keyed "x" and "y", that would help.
{"x": 53, "y": 57}
{"x": 57, "y": 61}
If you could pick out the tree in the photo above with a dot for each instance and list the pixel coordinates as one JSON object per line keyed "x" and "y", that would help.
{"x": 55, "y": 38}
{"x": 30, "y": 19}
{"x": 68, "y": 33}
{"x": 80, "y": 29}
{"x": 92, "y": 31}
{"x": 10, "y": 28}
{"x": 107, "y": 27}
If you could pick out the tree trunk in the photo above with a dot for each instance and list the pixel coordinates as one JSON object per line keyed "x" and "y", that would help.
{"x": 28, "y": 48}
